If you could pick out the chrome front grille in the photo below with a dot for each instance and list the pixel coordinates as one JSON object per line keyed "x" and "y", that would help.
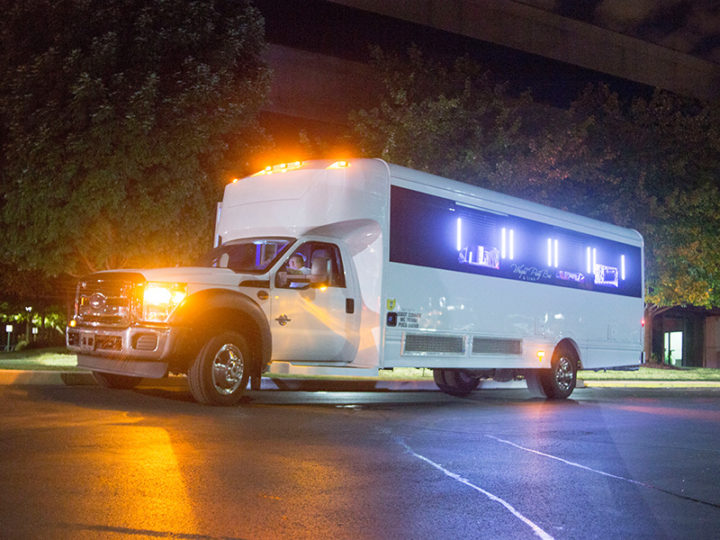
{"x": 106, "y": 300}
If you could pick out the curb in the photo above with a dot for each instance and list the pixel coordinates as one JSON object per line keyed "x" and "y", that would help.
{"x": 652, "y": 384}
{"x": 20, "y": 377}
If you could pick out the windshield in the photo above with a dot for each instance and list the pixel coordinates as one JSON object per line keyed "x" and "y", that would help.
{"x": 250, "y": 255}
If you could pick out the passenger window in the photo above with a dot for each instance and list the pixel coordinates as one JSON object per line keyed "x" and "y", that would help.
{"x": 313, "y": 264}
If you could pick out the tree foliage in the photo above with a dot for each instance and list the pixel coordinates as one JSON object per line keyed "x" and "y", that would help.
{"x": 117, "y": 118}
{"x": 650, "y": 164}
{"x": 664, "y": 153}
{"x": 455, "y": 120}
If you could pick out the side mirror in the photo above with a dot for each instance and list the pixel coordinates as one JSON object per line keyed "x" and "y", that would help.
{"x": 281, "y": 279}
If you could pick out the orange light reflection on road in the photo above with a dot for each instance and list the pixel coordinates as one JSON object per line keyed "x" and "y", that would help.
{"x": 152, "y": 490}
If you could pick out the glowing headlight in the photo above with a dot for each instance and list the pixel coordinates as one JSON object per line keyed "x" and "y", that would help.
{"x": 160, "y": 299}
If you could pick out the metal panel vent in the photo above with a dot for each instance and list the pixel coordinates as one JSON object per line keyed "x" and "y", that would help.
{"x": 146, "y": 342}
{"x": 496, "y": 346}
{"x": 426, "y": 343}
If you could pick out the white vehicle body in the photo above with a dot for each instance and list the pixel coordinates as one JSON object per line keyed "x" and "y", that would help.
{"x": 418, "y": 271}
{"x": 351, "y": 206}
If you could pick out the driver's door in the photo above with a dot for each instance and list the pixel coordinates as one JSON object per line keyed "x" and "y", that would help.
{"x": 315, "y": 314}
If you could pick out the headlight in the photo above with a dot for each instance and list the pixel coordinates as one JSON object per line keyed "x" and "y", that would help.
{"x": 160, "y": 299}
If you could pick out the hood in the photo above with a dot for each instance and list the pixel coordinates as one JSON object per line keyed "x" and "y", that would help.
{"x": 189, "y": 275}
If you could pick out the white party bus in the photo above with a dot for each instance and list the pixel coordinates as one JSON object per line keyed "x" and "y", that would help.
{"x": 351, "y": 267}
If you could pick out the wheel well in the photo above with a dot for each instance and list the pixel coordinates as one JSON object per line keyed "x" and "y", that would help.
{"x": 570, "y": 345}
{"x": 205, "y": 324}
{"x": 236, "y": 320}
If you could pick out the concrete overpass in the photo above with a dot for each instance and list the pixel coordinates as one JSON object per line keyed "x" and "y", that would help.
{"x": 321, "y": 78}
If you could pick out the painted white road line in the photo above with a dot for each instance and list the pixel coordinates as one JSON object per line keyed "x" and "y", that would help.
{"x": 536, "y": 529}
{"x": 566, "y": 462}
{"x": 609, "y": 475}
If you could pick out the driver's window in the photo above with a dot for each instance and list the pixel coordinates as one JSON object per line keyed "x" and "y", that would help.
{"x": 312, "y": 264}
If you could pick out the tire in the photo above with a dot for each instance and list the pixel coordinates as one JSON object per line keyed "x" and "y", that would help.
{"x": 559, "y": 381}
{"x": 456, "y": 382}
{"x": 110, "y": 380}
{"x": 439, "y": 378}
{"x": 220, "y": 372}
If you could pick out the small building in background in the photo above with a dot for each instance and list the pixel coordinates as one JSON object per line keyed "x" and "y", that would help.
{"x": 687, "y": 337}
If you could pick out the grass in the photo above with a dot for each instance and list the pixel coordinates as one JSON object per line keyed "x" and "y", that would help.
{"x": 58, "y": 359}
{"x": 646, "y": 373}
{"x": 51, "y": 359}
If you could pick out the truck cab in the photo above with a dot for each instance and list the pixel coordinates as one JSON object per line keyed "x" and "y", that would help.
{"x": 244, "y": 302}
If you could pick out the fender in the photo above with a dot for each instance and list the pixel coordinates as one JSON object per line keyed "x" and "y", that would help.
{"x": 212, "y": 309}
{"x": 572, "y": 344}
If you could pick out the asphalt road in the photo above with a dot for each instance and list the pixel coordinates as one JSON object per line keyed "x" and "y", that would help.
{"x": 85, "y": 462}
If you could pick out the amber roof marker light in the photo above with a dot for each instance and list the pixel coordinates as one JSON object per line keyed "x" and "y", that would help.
{"x": 343, "y": 164}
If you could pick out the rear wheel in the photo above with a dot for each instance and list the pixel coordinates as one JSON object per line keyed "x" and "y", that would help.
{"x": 559, "y": 381}
{"x": 110, "y": 380}
{"x": 456, "y": 382}
{"x": 220, "y": 372}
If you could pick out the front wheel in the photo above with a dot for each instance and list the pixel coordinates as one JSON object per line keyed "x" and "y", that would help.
{"x": 220, "y": 372}
{"x": 559, "y": 381}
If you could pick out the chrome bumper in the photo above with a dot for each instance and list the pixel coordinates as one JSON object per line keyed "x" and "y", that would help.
{"x": 136, "y": 351}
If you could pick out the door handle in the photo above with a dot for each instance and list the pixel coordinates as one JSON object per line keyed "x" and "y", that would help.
{"x": 349, "y": 305}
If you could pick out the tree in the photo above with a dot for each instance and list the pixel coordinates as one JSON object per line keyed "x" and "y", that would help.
{"x": 456, "y": 120}
{"x": 460, "y": 121}
{"x": 117, "y": 121}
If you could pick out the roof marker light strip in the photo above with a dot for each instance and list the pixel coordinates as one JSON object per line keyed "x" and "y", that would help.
{"x": 279, "y": 168}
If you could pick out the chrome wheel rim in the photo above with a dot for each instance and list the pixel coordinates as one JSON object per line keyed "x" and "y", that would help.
{"x": 564, "y": 373}
{"x": 227, "y": 369}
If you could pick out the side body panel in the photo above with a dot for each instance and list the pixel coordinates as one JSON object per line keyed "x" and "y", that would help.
{"x": 491, "y": 313}
{"x": 498, "y": 313}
